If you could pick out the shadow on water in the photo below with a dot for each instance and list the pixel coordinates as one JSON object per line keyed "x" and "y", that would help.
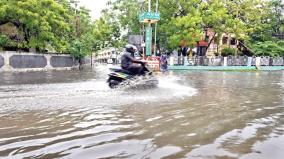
{"x": 190, "y": 115}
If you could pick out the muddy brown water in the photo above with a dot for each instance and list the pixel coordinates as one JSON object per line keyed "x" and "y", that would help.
{"x": 199, "y": 115}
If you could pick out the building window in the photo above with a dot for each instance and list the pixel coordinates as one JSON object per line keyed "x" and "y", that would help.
{"x": 233, "y": 41}
{"x": 224, "y": 40}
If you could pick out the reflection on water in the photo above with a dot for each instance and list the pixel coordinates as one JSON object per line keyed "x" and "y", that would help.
{"x": 190, "y": 115}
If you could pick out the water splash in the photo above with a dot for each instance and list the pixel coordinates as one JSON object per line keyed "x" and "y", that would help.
{"x": 95, "y": 91}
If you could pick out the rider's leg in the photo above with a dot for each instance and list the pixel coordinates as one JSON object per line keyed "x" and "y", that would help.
{"x": 134, "y": 69}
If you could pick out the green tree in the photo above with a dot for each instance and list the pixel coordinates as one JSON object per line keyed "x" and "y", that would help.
{"x": 125, "y": 13}
{"x": 107, "y": 32}
{"x": 269, "y": 48}
{"x": 41, "y": 23}
{"x": 82, "y": 47}
{"x": 82, "y": 39}
{"x": 272, "y": 22}
{"x": 3, "y": 41}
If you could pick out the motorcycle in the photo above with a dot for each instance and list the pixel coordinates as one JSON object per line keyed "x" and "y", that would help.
{"x": 122, "y": 78}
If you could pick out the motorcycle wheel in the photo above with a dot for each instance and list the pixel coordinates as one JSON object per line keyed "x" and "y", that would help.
{"x": 113, "y": 84}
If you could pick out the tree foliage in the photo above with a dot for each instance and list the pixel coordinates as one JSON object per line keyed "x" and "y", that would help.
{"x": 82, "y": 47}
{"x": 186, "y": 21}
{"x": 56, "y": 25}
{"x": 269, "y": 48}
{"x": 39, "y": 22}
{"x": 227, "y": 51}
{"x": 62, "y": 26}
{"x": 3, "y": 41}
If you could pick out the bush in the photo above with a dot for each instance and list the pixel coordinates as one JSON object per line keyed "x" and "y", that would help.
{"x": 3, "y": 41}
{"x": 228, "y": 51}
{"x": 280, "y": 43}
{"x": 269, "y": 48}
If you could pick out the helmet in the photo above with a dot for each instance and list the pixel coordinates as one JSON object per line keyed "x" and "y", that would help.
{"x": 131, "y": 48}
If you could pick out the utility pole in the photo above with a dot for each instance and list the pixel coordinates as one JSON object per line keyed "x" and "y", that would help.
{"x": 149, "y": 33}
{"x": 149, "y": 18}
{"x": 142, "y": 29}
{"x": 149, "y": 6}
{"x": 156, "y": 26}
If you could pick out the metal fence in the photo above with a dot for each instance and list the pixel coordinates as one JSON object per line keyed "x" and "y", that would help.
{"x": 226, "y": 61}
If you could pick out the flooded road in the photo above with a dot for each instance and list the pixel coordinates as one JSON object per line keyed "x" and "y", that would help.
{"x": 199, "y": 115}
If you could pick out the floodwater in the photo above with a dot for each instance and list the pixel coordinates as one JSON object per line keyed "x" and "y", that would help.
{"x": 198, "y": 115}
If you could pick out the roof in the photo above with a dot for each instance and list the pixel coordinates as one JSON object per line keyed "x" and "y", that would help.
{"x": 202, "y": 43}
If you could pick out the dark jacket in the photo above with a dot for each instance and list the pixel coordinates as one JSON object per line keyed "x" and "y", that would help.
{"x": 182, "y": 51}
{"x": 126, "y": 60}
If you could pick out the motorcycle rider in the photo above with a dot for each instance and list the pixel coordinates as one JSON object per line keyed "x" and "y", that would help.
{"x": 129, "y": 63}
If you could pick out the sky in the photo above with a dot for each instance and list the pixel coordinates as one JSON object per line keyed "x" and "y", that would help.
{"x": 96, "y": 6}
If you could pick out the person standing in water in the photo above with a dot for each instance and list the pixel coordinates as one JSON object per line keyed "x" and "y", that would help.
{"x": 164, "y": 63}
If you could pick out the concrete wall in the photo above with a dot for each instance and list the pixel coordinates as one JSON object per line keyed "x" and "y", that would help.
{"x": 23, "y": 62}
